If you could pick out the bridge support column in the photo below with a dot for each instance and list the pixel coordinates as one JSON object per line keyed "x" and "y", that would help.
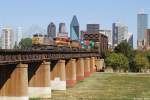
{"x": 71, "y": 73}
{"x": 14, "y": 82}
{"x": 80, "y": 69}
{"x": 58, "y": 76}
{"x": 87, "y": 71}
{"x": 92, "y": 64}
{"x": 102, "y": 64}
{"x": 39, "y": 80}
{"x": 99, "y": 64}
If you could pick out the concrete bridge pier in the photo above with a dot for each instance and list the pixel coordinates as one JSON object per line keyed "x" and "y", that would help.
{"x": 80, "y": 69}
{"x": 99, "y": 64}
{"x": 71, "y": 73}
{"x": 92, "y": 65}
{"x": 39, "y": 80}
{"x": 14, "y": 82}
{"x": 87, "y": 71}
{"x": 58, "y": 75}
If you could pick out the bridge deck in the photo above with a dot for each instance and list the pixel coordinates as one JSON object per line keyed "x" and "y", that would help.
{"x": 27, "y": 56}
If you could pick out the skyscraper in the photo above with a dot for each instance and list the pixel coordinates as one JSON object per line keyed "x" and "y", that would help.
{"x": 62, "y": 28}
{"x": 1, "y": 26}
{"x": 130, "y": 39}
{"x": 147, "y": 39}
{"x": 142, "y": 24}
{"x": 51, "y": 30}
{"x": 119, "y": 33}
{"x": 92, "y": 28}
{"x": 74, "y": 29}
{"x": 7, "y": 38}
{"x": 108, "y": 33}
{"x": 62, "y": 31}
{"x": 19, "y": 34}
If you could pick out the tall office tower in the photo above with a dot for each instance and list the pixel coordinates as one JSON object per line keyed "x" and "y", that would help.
{"x": 92, "y": 28}
{"x": 19, "y": 34}
{"x": 1, "y": 26}
{"x": 62, "y": 31}
{"x": 7, "y": 38}
{"x": 74, "y": 29}
{"x": 142, "y": 24}
{"x": 130, "y": 39}
{"x": 147, "y": 39}
{"x": 108, "y": 33}
{"x": 119, "y": 33}
{"x": 51, "y": 30}
{"x": 62, "y": 28}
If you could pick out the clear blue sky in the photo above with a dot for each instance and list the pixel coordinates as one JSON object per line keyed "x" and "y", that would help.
{"x": 26, "y": 13}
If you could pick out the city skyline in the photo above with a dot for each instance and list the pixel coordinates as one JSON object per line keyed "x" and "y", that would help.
{"x": 104, "y": 12}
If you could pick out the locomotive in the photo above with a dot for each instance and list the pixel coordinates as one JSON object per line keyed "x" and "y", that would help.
{"x": 44, "y": 42}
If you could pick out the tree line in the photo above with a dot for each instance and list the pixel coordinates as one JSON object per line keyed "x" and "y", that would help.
{"x": 125, "y": 58}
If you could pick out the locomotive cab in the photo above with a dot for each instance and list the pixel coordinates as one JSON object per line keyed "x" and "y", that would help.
{"x": 37, "y": 39}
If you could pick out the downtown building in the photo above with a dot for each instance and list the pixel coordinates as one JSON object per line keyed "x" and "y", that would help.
{"x": 74, "y": 29}
{"x": 142, "y": 25}
{"x": 119, "y": 33}
{"x": 19, "y": 35}
{"x": 62, "y": 31}
{"x": 92, "y": 28}
{"x": 147, "y": 39}
{"x": 108, "y": 33}
{"x": 51, "y": 30}
{"x": 8, "y": 38}
{"x": 130, "y": 39}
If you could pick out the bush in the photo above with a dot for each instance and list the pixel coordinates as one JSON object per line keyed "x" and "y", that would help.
{"x": 117, "y": 61}
{"x": 141, "y": 61}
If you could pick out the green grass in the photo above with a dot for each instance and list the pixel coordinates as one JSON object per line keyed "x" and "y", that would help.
{"x": 108, "y": 86}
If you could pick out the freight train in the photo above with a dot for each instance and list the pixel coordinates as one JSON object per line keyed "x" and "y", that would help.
{"x": 44, "y": 42}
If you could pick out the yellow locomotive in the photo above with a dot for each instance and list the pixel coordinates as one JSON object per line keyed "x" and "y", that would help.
{"x": 37, "y": 39}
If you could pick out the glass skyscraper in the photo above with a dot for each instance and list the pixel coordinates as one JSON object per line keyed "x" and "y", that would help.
{"x": 142, "y": 24}
{"x": 119, "y": 33}
{"x": 74, "y": 29}
{"x": 62, "y": 28}
{"x": 51, "y": 30}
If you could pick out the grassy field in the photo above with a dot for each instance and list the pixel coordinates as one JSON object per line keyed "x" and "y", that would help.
{"x": 108, "y": 86}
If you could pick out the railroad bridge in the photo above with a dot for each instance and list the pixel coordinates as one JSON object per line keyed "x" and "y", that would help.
{"x": 34, "y": 73}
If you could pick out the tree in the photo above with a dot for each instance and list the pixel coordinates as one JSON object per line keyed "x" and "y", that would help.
{"x": 25, "y": 43}
{"x": 117, "y": 61}
{"x": 147, "y": 54}
{"x": 124, "y": 48}
{"x": 105, "y": 54}
{"x": 141, "y": 61}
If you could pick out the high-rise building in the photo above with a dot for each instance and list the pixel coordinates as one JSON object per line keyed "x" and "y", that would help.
{"x": 19, "y": 34}
{"x": 1, "y": 26}
{"x": 62, "y": 31}
{"x": 74, "y": 29}
{"x": 142, "y": 24}
{"x": 92, "y": 28}
{"x": 62, "y": 28}
{"x": 51, "y": 30}
{"x": 130, "y": 39}
{"x": 108, "y": 33}
{"x": 119, "y": 33}
{"x": 147, "y": 39}
{"x": 7, "y": 38}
